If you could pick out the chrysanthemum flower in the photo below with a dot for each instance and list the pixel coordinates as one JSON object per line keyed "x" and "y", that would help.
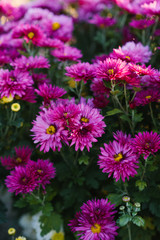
{"x": 67, "y": 53}
{"x": 141, "y": 70}
{"x": 133, "y": 52}
{"x": 119, "y": 159}
{"x": 21, "y": 180}
{"x": 21, "y": 157}
{"x": 95, "y": 221}
{"x": 152, "y": 7}
{"x": 112, "y": 69}
{"x": 47, "y": 133}
{"x": 121, "y": 137}
{"x": 49, "y": 92}
{"x": 81, "y": 71}
{"x": 102, "y": 22}
{"x": 43, "y": 171}
{"x": 146, "y": 143}
{"x": 142, "y": 23}
{"x": 144, "y": 97}
{"x": 14, "y": 82}
{"x": 89, "y": 126}
{"x": 23, "y": 63}
{"x": 28, "y": 33}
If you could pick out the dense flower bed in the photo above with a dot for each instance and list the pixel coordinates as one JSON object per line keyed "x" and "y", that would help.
{"x": 79, "y": 101}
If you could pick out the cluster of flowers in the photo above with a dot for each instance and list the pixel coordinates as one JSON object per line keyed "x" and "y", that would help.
{"x": 27, "y": 175}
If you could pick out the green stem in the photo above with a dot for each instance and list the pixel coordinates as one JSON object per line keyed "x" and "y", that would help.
{"x": 153, "y": 30}
{"x": 126, "y": 99}
{"x": 129, "y": 231}
{"x": 151, "y": 111}
{"x": 144, "y": 169}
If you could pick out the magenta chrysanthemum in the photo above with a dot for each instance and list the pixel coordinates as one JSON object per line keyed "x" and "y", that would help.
{"x": 81, "y": 71}
{"x": 119, "y": 159}
{"x": 43, "y": 171}
{"x": 67, "y": 53}
{"x": 95, "y": 221}
{"x": 146, "y": 96}
{"x": 89, "y": 126}
{"x": 49, "y": 92}
{"x": 21, "y": 157}
{"x": 146, "y": 143}
{"x": 47, "y": 133}
{"x": 142, "y": 23}
{"x": 112, "y": 69}
{"x": 24, "y": 63}
{"x": 21, "y": 180}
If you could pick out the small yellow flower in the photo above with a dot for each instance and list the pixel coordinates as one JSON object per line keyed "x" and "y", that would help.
{"x": 58, "y": 236}
{"x": 21, "y": 238}
{"x": 7, "y": 99}
{"x": 15, "y": 107}
{"x": 11, "y": 231}
{"x": 126, "y": 199}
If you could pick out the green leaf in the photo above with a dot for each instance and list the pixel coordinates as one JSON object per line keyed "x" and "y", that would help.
{"x": 20, "y": 203}
{"x": 139, "y": 221}
{"x": 47, "y": 209}
{"x": 138, "y": 117}
{"x": 113, "y": 112}
{"x": 123, "y": 220}
{"x": 54, "y": 222}
{"x": 115, "y": 198}
{"x": 141, "y": 185}
{"x": 125, "y": 118}
{"x": 83, "y": 159}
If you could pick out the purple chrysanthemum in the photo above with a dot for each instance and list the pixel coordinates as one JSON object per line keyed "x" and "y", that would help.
{"x": 49, "y": 92}
{"x": 81, "y": 71}
{"x": 21, "y": 157}
{"x": 141, "y": 23}
{"x": 112, "y": 69}
{"x": 47, "y": 133}
{"x": 21, "y": 180}
{"x": 122, "y": 137}
{"x": 144, "y": 97}
{"x": 43, "y": 171}
{"x": 119, "y": 159}
{"x": 102, "y": 22}
{"x": 146, "y": 143}
{"x": 89, "y": 126}
{"x": 67, "y": 53}
{"x": 24, "y": 63}
{"x": 95, "y": 221}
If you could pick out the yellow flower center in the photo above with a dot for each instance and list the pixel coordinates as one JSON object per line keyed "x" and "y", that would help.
{"x": 15, "y": 107}
{"x": 83, "y": 119}
{"x": 147, "y": 145}
{"x": 118, "y": 157}
{"x": 55, "y": 26}
{"x": 30, "y": 35}
{"x": 65, "y": 114}
{"x": 96, "y": 228}
{"x": 21, "y": 238}
{"x": 7, "y": 99}
{"x": 57, "y": 236}
{"x": 39, "y": 171}
{"x": 18, "y": 160}
{"x": 23, "y": 179}
{"x": 148, "y": 97}
{"x": 51, "y": 130}
{"x": 110, "y": 71}
{"x": 127, "y": 57}
{"x": 11, "y": 231}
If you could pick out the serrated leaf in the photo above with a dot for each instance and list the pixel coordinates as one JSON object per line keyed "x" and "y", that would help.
{"x": 115, "y": 198}
{"x": 141, "y": 185}
{"x": 139, "y": 221}
{"x": 125, "y": 118}
{"x": 54, "y": 222}
{"x": 123, "y": 220}
{"x": 47, "y": 209}
{"x": 113, "y": 112}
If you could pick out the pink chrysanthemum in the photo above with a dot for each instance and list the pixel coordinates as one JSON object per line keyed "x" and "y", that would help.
{"x": 81, "y": 71}
{"x": 40, "y": 78}
{"x": 51, "y": 43}
{"x": 152, "y": 7}
{"x": 21, "y": 157}
{"x": 146, "y": 143}
{"x": 21, "y": 180}
{"x": 95, "y": 221}
{"x": 141, "y": 70}
{"x": 28, "y": 96}
{"x": 43, "y": 171}
{"x": 49, "y": 92}
{"x": 24, "y": 63}
{"x": 119, "y": 159}
{"x": 66, "y": 114}
{"x": 88, "y": 127}
{"x": 133, "y": 52}
{"x": 102, "y": 22}
{"x": 146, "y": 96}
{"x": 121, "y": 137}
{"x": 67, "y": 53}
{"x": 142, "y": 23}
{"x": 28, "y": 33}
{"x": 14, "y": 82}
{"x": 112, "y": 69}
{"x": 47, "y": 133}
